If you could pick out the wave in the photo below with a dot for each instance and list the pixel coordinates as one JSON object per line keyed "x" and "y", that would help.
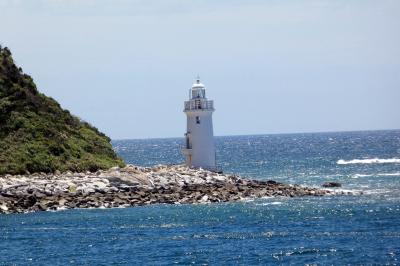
{"x": 380, "y": 174}
{"x": 369, "y": 161}
{"x": 270, "y": 203}
{"x": 389, "y": 174}
{"x": 359, "y": 175}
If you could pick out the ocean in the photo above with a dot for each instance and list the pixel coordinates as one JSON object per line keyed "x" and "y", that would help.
{"x": 346, "y": 229}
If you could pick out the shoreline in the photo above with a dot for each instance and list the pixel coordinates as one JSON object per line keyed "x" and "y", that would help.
{"x": 136, "y": 186}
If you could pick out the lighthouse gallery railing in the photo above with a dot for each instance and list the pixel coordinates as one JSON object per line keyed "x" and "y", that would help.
{"x": 199, "y": 105}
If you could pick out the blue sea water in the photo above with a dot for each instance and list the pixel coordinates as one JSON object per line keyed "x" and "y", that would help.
{"x": 356, "y": 229}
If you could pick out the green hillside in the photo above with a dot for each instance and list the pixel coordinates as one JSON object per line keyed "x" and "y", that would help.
{"x": 37, "y": 135}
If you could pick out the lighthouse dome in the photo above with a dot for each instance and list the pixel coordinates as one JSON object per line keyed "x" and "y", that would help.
{"x": 198, "y": 84}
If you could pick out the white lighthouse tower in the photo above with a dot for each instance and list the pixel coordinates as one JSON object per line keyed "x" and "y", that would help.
{"x": 199, "y": 148}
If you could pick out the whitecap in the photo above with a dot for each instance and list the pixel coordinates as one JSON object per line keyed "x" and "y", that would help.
{"x": 359, "y": 175}
{"x": 369, "y": 161}
{"x": 171, "y": 225}
{"x": 345, "y": 191}
{"x": 377, "y": 191}
{"x": 379, "y": 174}
{"x": 389, "y": 174}
{"x": 268, "y": 197}
{"x": 271, "y": 203}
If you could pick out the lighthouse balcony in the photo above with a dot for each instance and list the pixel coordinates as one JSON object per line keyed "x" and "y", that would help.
{"x": 199, "y": 105}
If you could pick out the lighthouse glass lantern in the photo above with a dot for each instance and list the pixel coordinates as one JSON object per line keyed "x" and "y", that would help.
{"x": 199, "y": 148}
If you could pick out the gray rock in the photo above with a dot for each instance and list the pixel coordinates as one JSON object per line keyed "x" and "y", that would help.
{"x": 331, "y": 184}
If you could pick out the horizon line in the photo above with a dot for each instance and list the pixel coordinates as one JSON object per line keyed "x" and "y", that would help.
{"x": 264, "y": 134}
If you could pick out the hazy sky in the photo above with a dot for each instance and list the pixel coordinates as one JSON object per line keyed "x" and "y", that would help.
{"x": 270, "y": 66}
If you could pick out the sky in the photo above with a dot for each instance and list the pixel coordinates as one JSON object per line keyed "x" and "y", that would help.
{"x": 270, "y": 66}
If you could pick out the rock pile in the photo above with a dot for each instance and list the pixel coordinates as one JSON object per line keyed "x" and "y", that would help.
{"x": 133, "y": 186}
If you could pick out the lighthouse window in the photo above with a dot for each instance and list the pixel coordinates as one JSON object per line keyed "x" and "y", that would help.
{"x": 197, "y": 120}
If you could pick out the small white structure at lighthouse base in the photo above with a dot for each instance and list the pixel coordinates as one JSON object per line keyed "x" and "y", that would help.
{"x": 199, "y": 148}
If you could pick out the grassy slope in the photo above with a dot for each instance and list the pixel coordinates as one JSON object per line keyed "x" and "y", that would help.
{"x": 37, "y": 135}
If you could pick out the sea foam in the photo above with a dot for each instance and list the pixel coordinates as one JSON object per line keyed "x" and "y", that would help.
{"x": 369, "y": 161}
{"x": 389, "y": 174}
{"x": 379, "y": 174}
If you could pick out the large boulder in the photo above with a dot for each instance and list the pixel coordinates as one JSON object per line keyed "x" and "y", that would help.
{"x": 331, "y": 184}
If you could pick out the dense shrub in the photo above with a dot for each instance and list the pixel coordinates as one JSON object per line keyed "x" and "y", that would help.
{"x": 37, "y": 135}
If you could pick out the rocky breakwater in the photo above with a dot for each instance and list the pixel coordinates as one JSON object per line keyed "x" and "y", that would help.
{"x": 134, "y": 186}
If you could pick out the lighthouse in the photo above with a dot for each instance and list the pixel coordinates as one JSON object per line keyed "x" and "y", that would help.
{"x": 199, "y": 148}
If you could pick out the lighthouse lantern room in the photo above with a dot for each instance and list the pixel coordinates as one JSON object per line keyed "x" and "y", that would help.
{"x": 199, "y": 148}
